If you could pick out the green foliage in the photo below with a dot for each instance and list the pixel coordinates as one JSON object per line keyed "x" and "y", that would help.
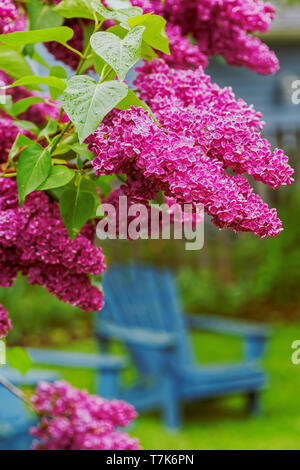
{"x": 120, "y": 54}
{"x": 120, "y": 15}
{"x": 20, "y": 38}
{"x": 19, "y": 359}
{"x": 41, "y": 15}
{"x": 33, "y": 169}
{"x": 76, "y": 9}
{"x": 59, "y": 72}
{"x": 87, "y": 102}
{"x": 155, "y": 31}
{"x": 22, "y": 105}
{"x": 76, "y": 208}
{"x": 59, "y": 176}
{"x": 82, "y": 149}
{"x": 13, "y": 63}
{"x": 50, "y": 129}
{"x": 39, "y": 319}
{"x": 132, "y": 100}
{"x": 52, "y": 82}
{"x": 21, "y": 141}
{"x": 27, "y": 125}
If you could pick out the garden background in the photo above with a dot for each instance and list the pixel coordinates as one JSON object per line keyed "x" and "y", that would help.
{"x": 235, "y": 275}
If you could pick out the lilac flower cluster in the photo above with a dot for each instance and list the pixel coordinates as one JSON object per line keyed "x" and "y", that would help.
{"x": 183, "y": 53}
{"x": 146, "y": 223}
{"x": 218, "y": 26}
{"x": 130, "y": 142}
{"x": 8, "y": 13}
{"x": 187, "y": 103}
{"x": 223, "y": 26}
{"x": 204, "y": 132}
{"x": 5, "y": 323}
{"x": 71, "y": 419}
{"x": 34, "y": 241}
{"x": 11, "y": 17}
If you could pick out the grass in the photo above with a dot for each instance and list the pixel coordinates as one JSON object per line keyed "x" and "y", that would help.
{"x": 223, "y": 423}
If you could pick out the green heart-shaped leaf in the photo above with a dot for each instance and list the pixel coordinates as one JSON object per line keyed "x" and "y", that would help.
{"x": 34, "y": 165}
{"x": 155, "y": 33}
{"x": 118, "y": 4}
{"x": 76, "y": 208}
{"x": 87, "y": 102}
{"x": 120, "y": 54}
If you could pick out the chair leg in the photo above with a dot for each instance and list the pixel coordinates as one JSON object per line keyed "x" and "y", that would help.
{"x": 107, "y": 383}
{"x": 172, "y": 415}
{"x": 254, "y": 403}
{"x": 171, "y": 406}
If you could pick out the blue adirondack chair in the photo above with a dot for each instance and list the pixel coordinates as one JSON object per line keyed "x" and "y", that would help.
{"x": 15, "y": 420}
{"x": 142, "y": 310}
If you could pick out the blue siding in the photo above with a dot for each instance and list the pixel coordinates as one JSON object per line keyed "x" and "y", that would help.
{"x": 266, "y": 93}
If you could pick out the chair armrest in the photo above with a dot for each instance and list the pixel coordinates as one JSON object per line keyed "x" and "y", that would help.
{"x": 136, "y": 336}
{"x": 228, "y": 327}
{"x": 76, "y": 360}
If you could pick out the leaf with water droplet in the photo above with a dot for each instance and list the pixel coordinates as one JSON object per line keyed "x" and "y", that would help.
{"x": 87, "y": 102}
{"x": 120, "y": 54}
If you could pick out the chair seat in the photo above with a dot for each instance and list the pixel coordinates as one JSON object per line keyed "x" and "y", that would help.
{"x": 217, "y": 379}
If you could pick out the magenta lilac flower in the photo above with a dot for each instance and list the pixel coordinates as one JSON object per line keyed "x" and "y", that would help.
{"x": 34, "y": 241}
{"x": 5, "y": 323}
{"x": 223, "y": 27}
{"x": 147, "y": 219}
{"x": 184, "y": 54}
{"x": 217, "y": 27}
{"x": 71, "y": 419}
{"x": 130, "y": 142}
{"x": 11, "y": 18}
{"x": 187, "y": 103}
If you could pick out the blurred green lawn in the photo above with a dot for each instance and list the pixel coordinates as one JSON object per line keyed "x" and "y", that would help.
{"x": 224, "y": 423}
